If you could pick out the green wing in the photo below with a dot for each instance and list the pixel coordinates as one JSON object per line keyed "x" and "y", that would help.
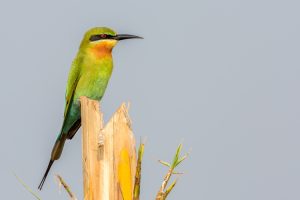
{"x": 72, "y": 83}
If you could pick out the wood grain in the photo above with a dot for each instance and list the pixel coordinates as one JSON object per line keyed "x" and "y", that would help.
{"x": 108, "y": 154}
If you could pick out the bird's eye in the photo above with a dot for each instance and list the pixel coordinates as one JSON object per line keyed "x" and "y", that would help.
{"x": 103, "y": 35}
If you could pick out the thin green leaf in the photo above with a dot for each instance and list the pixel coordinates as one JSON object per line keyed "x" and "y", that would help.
{"x": 181, "y": 159}
{"x": 170, "y": 188}
{"x": 175, "y": 159}
{"x": 164, "y": 163}
{"x": 177, "y": 173}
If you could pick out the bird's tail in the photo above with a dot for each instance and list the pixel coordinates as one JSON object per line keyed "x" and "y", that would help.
{"x": 45, "y": 175}
{"x": 56, "y": 152}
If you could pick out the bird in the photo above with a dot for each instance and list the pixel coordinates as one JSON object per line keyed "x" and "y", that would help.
{"x": 89, "y": 75}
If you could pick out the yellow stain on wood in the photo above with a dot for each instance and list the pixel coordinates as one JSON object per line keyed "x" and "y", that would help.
{"x": 124, "y": 174}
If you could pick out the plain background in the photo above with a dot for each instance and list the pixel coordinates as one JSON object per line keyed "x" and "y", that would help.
{"x": 220, "y": 76}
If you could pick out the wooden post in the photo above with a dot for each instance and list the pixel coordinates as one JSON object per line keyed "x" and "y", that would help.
{"x": 91, "y": 120}
{"x": 108, "y": 154}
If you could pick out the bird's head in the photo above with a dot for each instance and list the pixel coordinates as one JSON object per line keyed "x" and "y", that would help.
{"x": 100, "y": 41}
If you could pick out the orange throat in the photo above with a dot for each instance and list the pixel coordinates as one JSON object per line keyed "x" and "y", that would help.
{"x": 103, "y": 49}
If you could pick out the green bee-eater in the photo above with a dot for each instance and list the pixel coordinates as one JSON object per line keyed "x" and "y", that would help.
{"x": 89, "y": 75}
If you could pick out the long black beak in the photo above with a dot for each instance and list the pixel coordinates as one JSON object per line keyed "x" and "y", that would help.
{"x": 126, "y": 36}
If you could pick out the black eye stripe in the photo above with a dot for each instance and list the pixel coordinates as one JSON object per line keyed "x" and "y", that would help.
{"x": 95, "y": 38}
{"x": 100, "y": 37}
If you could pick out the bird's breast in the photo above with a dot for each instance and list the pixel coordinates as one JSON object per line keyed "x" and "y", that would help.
{"x": 94, "y": 79}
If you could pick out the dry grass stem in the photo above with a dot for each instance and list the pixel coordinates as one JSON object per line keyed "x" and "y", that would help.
{"x": 137, "y": 181}
{"x": 67, "y": 188}
{"x": 27, "y": 188}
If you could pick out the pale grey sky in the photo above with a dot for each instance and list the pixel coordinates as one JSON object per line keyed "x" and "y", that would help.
{"x": 221, "y": 76}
